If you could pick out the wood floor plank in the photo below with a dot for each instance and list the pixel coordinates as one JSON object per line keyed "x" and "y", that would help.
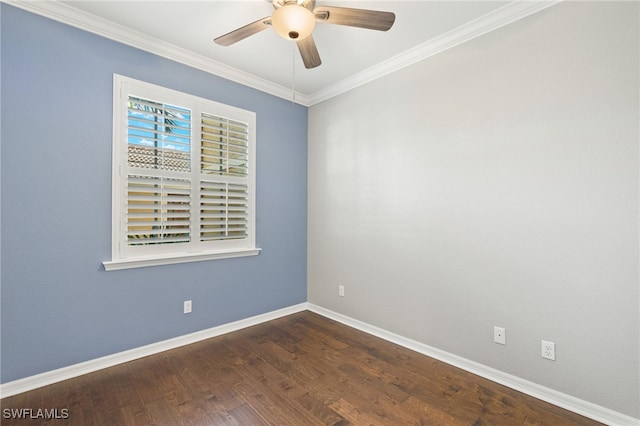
{"x": 272, "y": 395}
{"x": 388, "y": 389}
{"x": 290, "y": 363}
{"x": 303, "y": 369}
{"x": 320, "y": 410}
{"x": 104, "y": 397}
{"x": 430, "y": 415}
{"x": 245, "y": 415}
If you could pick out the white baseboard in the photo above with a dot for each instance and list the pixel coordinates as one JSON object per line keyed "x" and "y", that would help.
{"x": 560, "y": 399}
{"x": 49, "y": 377}
{"x": 568, "y": 402}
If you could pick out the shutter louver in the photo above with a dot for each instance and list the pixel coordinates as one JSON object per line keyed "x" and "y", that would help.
{"x": 225, "y": 146}
{"x": 223, "y": 211}
{"x": 158, "y": 210}
{"x": 158, "y": 135}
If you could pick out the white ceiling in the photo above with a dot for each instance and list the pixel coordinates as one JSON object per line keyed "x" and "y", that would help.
{"x": 185, "y": 30}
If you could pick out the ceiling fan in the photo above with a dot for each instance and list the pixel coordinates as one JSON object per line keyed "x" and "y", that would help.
{"x": 295, "y": 20}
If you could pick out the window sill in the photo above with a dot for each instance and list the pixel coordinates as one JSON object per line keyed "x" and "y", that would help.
{"x": 141, "y": 262}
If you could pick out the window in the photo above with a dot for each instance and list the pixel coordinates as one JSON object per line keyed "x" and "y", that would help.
{"x": 183, "y": 178}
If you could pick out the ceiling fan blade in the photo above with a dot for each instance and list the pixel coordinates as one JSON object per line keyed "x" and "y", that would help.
{"x": 362, "y": 18}
{"x": 243, "y": 32}
{"x": 309, "y": 52}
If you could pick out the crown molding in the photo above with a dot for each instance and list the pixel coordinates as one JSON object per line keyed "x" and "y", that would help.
{"x": 491, "y": 21}
{"x": 77, "y": 18}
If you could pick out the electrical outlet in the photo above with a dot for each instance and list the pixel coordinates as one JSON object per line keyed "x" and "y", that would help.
{"x": 187, "y": 306}
{"x": 499, "y": 335}
{"x": 549, "y": 350}
{"x": 341, "y": 290}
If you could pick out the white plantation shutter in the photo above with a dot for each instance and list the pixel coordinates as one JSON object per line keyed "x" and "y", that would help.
{"x": 158, "y": 210}
{"x": 224, "y": 211}
{"x": 224, "y": 203}
{"x": 158, "y": 145}
{"x": 225, "y": 146}
{"x": 180, "y": 194}
{"x": 158, "y": 135}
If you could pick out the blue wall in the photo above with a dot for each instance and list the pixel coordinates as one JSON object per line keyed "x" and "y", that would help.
{"x": 59, "y": 307}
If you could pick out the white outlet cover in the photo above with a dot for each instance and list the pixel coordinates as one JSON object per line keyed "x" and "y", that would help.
{"x": 548, "y": 350}
{"x": 499, "y": 335}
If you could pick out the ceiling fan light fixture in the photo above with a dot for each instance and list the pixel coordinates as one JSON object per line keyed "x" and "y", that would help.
{"x": 293, "y": 22}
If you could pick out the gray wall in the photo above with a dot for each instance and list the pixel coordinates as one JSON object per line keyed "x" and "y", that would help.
{"x": 494, "y": 184}
{"x": 59, "y": 307}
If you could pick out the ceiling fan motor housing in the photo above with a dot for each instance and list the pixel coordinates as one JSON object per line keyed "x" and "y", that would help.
{"x": 293, "y": 21}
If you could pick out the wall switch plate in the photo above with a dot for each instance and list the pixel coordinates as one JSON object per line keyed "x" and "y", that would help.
{"x": 549, "y": 350}
{"x": 341, "y": 290}
{"x": 499, "y": 335}
{"x": 187, "y": 306}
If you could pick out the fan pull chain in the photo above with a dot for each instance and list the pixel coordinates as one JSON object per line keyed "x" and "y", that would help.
{"x": 293, "y": 64}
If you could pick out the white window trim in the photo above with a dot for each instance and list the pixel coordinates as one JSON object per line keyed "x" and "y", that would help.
{"x": 140, "y": 262}
{"x": 118, "y": 260}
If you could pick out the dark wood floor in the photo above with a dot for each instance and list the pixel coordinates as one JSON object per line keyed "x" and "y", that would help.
{"x": 299, "y": 370}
